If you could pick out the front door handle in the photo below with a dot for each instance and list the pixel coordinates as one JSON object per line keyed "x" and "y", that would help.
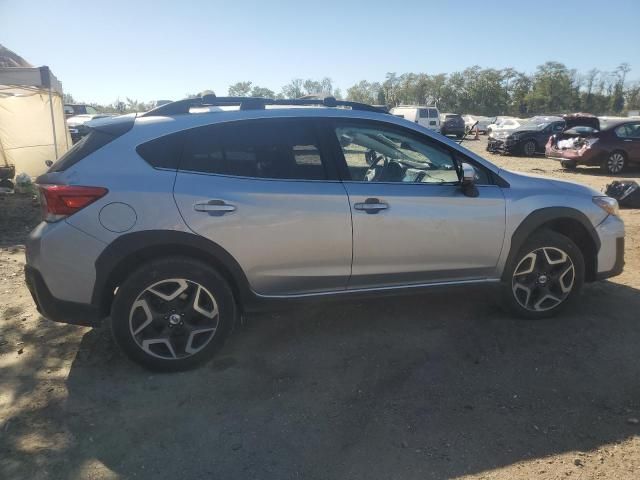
{"x": 214, "y": 207}
{"x": 371, "y": 205}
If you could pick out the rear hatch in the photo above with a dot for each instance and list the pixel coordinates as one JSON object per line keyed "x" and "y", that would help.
{"x": 581, "y": 120}
{"x": 453, "y": 121}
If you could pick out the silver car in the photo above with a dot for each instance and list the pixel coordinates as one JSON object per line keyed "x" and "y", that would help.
{"x": 177, "y": 221}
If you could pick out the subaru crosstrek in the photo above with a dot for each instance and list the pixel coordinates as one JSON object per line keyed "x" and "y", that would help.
{"x": 177, "y": 221}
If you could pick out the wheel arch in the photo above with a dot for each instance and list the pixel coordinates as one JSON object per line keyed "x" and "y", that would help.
{"x": 130, "y": 251}
{"x": 564, "y": 220}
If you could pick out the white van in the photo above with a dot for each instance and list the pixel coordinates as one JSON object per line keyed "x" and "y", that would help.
{"x": 428, "y": 117}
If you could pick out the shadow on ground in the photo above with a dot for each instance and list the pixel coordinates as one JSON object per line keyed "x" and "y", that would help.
{"x": 430, "y": 386}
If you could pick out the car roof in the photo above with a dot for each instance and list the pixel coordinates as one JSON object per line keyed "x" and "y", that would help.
{"x": 143, "y": 128}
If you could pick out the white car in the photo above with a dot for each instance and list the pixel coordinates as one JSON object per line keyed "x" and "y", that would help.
{"x": 428, "y": 117}
{"x": 481, "y": 123}
{"x": 503, "y": 123}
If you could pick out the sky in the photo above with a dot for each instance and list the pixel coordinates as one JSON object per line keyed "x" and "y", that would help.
{"x": 152, "y": 50}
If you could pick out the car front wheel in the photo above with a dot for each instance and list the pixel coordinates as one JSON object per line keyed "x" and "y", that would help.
{"x": 172, "y": 314}
{"x": 529, "y": 148}
{"x": 568, "y": 164}
{"x": 545, "y": 275}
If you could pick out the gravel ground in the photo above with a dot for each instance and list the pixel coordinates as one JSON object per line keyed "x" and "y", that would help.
{"x": 441, "y": 385}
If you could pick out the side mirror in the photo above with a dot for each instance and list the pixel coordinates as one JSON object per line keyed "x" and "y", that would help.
{"x": 468, "y": 181}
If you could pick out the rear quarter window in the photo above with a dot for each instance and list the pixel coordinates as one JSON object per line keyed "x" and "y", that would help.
{"x": 163, "y": 152}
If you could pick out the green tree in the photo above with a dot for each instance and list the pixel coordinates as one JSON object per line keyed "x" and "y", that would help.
{"x": 240, "y": 89}
{"x": 294, "y": 89}
{"x": 553, "y": 89}
{"x": 262, "y": 92}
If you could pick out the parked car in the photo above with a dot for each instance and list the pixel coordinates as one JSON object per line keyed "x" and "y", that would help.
{"x": 173, "y": 223}
{"x": 527, "y": 139}
{"x": 72, "y": 109}
{"x": 452, "y": 124}
{"x": 503, "y": 123}
{"x": 588, "y": 140}
{"x": 428, "y": 117}
{"x": 481, "y": 123}
{"x": 78, "y": 127}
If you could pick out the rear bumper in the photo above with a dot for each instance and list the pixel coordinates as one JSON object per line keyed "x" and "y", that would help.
{"x": 58, "y": 310}
{"x": 590, "y": 156}
{"x": 452, "y": 130}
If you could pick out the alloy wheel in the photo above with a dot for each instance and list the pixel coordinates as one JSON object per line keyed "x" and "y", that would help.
{"x": 174, "y": 318}
{"x": 543, "y": 279}
{"x": 615, "y": 162}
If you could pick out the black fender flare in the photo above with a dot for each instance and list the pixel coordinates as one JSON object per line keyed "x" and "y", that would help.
{"x": 538, "y": 218}
{"x": 129, "y": 251}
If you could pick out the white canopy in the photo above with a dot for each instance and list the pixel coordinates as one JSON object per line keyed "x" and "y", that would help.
{"x": 32, "y": 123}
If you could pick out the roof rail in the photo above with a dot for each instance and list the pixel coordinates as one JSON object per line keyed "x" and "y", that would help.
{"x": 251, "y": 103}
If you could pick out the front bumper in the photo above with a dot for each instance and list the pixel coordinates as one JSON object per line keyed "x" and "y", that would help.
{"x": 611, "y": 254}
{"x": 495, "y": 145}
{"x": 58, "y": 310}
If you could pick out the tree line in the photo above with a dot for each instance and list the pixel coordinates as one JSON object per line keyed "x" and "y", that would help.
{"x": 552, "y": 88}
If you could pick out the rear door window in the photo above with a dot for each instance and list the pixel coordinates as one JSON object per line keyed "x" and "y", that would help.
{"x": 629, "y": 130}
{"x": 276, "y": 149}
{"x": 424, "y": 113}
{"x": 433, "y": 113}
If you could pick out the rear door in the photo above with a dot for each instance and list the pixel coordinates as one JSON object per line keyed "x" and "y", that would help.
{"x": 412, "y": 224}
{"x": 264, "y": 191}
{"x": 629, "y": 133}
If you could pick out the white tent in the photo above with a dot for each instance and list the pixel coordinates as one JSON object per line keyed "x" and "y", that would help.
{"x": 32, "y": 123}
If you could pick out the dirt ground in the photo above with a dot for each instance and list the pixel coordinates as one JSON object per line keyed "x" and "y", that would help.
{"x": 442, "y": 385}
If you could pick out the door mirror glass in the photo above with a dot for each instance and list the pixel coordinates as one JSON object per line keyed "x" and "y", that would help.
{"x": 469, "y": 175}
{"x": 468, "y": 182}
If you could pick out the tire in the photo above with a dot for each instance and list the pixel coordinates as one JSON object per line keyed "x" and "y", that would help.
{"x": 172, "y": 314}
{"x": 615, "y": 163}
{"x": 529, "y": 148}
{"x": 544, "y": 277}
{"x": 568, "y": 164}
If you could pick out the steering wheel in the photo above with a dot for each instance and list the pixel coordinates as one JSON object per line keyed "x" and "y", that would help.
{"x": 375, "y": 169}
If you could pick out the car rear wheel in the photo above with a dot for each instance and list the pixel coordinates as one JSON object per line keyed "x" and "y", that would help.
{"x": 568, "y": 164}
{"x": 545, "y": 275}
{"x": 529, "y": 148}
{"x": 615, "y": 163}
{"x": 172, "y": 314}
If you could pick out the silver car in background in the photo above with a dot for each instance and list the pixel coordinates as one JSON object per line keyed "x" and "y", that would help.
{"x": 177, "y": 221}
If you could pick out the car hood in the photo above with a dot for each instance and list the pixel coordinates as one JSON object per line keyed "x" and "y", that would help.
{"x": 563, "y": 185}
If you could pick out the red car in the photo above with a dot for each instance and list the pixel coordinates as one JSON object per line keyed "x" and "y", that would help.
{"x": 588, "y": 140}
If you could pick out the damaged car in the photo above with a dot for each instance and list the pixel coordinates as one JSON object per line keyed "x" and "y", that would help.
{"x": 588, "y": 140}
{"x": 527, "y": 139}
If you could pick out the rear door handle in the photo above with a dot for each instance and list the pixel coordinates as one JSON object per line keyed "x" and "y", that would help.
{"x": 371, "y": 205}
{"x": 214, "y": 207}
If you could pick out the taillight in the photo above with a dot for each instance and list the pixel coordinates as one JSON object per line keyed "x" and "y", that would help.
{"x": 60, "y": 201}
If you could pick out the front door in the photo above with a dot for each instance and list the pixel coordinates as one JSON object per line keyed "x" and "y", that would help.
{"x": 412, "y": 224}
{"x": 261, "y": 189}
